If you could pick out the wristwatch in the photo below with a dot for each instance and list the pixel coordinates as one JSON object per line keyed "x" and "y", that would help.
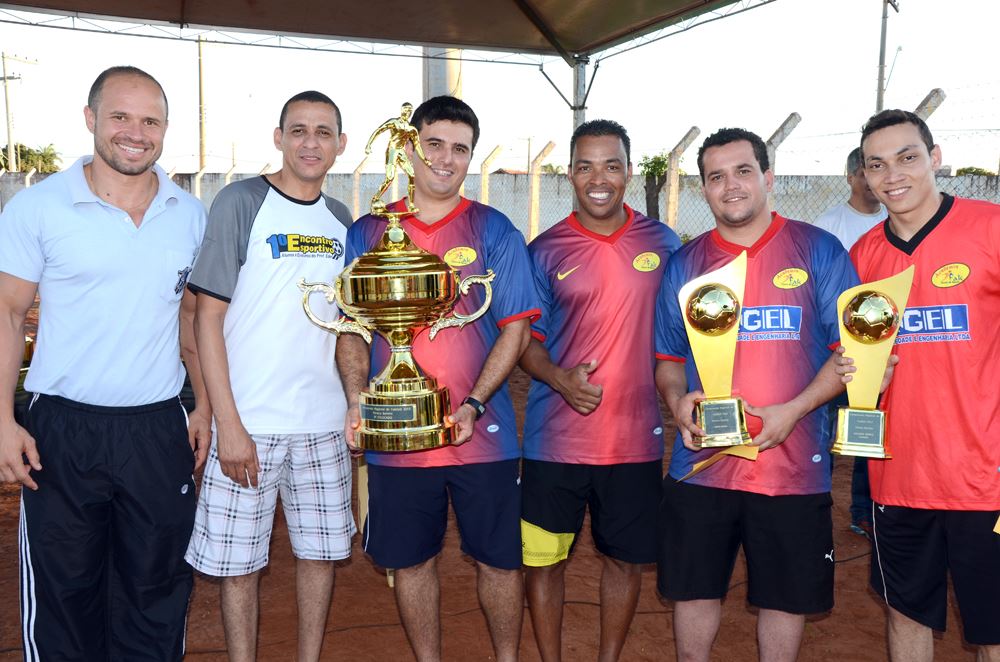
{"x": 477, "y": 405}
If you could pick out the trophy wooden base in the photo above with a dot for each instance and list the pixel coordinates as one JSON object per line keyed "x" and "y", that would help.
{"x": 861, "y": 433}
{"x": 404, "y": 415}
{"x": 723, "y": 421}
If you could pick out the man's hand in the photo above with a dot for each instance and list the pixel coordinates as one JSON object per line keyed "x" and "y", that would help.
{"x": 690, "y": 433}
{"x": 464, "y": 420}
{"x": 576, "y": 390}
{"x": 238, "y": 454}
{"x": 845, "y": 367}
{"x": 779, "y": 421}
{"x": 199, "y": 435}
{"x": 351, "y": 425}
{"x": 15, "y": 441}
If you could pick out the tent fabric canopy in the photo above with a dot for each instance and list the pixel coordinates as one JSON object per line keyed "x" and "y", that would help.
{"x": 566, "y": 28}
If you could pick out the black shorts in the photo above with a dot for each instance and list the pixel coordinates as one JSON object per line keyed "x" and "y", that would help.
{"x": 787, "y": 541}
{"x": 408, "y": 513}
{"x": 914, "y": 550}
{"x": 622, "y": 499}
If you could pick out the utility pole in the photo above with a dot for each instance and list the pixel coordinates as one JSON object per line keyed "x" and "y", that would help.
{"x": 201, "y": 111}
{"x": 880, "y": 97}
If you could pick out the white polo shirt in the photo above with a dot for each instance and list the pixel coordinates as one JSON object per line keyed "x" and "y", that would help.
{"x": 110, "y": 292}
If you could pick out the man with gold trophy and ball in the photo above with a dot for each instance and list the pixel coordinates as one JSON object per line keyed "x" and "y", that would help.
{"x": 747, "y": 312}
{"x": 398, "y": 286}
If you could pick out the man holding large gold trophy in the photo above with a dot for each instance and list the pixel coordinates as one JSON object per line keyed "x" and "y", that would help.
{"x": 745, "y": 320}
{"x": 470, "y": 453}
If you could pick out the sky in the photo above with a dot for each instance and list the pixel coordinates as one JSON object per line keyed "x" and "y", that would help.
{"x": 818, "y": 58}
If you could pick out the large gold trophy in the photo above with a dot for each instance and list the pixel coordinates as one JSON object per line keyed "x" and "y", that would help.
{"x": 398, "y": 290}
{"x": 710, "y": 306}
{"x": 869, "y": 321}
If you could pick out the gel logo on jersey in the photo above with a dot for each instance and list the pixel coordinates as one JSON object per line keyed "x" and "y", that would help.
{"x": 950, "y": 275}
{"x": 460, "y": 256}
{"x": 770, "y": 323}
{"x": 789, "y": 279}
{"x": 646, "y": 262}
{"x": 947, "y": 323}
{"x": 304, "y": 245}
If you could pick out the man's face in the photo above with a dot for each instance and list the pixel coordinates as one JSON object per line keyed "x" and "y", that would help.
{"x": 899, "y": 169}
{"x": 310, "y": 141}
{"x": 599, "y": 174}
{"x": 448, "y": 146}
{"x": 128, "y": 124}
{"x": 735, "y": 188}
{"x": 860, "y": 189}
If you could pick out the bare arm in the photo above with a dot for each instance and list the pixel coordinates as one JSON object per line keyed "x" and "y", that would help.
{"x": 200, "y": 420}
{"x": 507, "y": 349}
{"x": 16, "y": 296}
{"x": 571, "y": 383}
{"x": 237, "y": 452}
{"x": 352, "y": 364}
{"x": 671, "y": 382}
{"x": 779, "y": 420}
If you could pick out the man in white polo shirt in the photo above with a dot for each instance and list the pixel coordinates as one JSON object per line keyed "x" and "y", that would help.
{"x": 106, "y": 456}
{"x": 278, "y": 403}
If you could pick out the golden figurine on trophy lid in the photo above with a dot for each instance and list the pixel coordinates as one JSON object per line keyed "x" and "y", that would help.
{"x": 398, "y": 290}
{"x": 710, "y": 306}
{"x": 870, "y": 315}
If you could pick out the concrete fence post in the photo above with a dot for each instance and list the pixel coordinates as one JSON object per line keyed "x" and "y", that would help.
{"x": 484, "y": 174}
{"x": 170, "y": 175}
{"x": 229, "y": 174}
{"x": 356, "y": 187}
{"x": 266, "y": 169}
{"x": 930, "y": 103}
{"x": 197, "y": 183}
{"x": 779, "y": 136}
{"x": 672, "y": 183}
{"x": 28, "y": 176}
{"x": 535, "y": 179}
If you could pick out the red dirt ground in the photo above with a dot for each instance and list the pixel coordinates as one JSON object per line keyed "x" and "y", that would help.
{"x": 364, "y": 624}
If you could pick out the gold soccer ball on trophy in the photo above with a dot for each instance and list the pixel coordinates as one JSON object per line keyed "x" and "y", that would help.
{"x": 871, "y": 317}
{"x": 713, "y": 309}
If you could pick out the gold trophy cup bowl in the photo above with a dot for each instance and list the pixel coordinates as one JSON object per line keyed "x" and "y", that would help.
{"x": 398, "y": 290}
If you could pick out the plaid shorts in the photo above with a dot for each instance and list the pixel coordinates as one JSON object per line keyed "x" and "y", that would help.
{"x": 232, "y": 527}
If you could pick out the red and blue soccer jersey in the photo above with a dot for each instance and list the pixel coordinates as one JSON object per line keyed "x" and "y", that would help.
{"x": 475, "y": 238}
{"x": 943, "y": 405}
{"x": 788, "y": 323}
{"x": 598, "y": 295}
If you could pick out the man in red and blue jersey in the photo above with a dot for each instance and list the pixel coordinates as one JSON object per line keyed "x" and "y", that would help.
{"x": 777, "y": 507}
{"x": 937, "y": 501}
{"x": 593, "y": 434}
{"x": 409, "y": 491}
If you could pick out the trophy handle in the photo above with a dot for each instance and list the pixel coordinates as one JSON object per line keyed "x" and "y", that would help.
{"x": 459, "y": 320}
{"x": 333, "y": 295}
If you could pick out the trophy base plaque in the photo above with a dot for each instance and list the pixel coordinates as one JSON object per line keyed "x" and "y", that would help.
{"x": 404, "y": 415}
{"x": 723, "y": 421}
{"x": 861, "y": 433}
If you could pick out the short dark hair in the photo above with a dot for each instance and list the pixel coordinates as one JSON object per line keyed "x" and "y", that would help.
{"x": 726, "y": 136}
{"x": 312, "y": 96}
{"x": 854, "y": 161}
{"x": 94, "y": 97}
{"x": 601, "y": 128}
{"x": 446, "y": 108}
{"x": 892, "y": 117}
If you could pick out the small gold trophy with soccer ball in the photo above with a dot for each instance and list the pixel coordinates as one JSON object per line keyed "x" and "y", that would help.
{"x": 710, "y": 306}
{"x": 870, "y": 315}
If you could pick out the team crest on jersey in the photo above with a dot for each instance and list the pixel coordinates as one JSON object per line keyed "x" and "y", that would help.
{"x": 789, "y": 279}
{"x": 645, "y": 262}
{"x": 303, "y": 245}
{"x": 950, "y": 275}
{"x": 460, "y": 256}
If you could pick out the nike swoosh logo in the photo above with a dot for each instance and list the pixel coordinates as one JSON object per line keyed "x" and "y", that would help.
{"x": 563, "y": 274}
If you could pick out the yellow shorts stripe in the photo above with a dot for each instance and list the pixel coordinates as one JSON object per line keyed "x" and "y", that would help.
{"x": 542, "y": 548}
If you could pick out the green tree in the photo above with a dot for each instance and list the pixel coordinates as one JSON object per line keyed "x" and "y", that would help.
{"x": 44, "y": 159}
{"x": 973, "y": 170}
{"x": 654, "y": 170}
{"x": 550, "y": 169}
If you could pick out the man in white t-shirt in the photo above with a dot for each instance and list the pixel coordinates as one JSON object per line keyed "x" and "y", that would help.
{"x": 848, "y": 221}
{"x": 862, "y": 211}
{"x": 278, "y": 403}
